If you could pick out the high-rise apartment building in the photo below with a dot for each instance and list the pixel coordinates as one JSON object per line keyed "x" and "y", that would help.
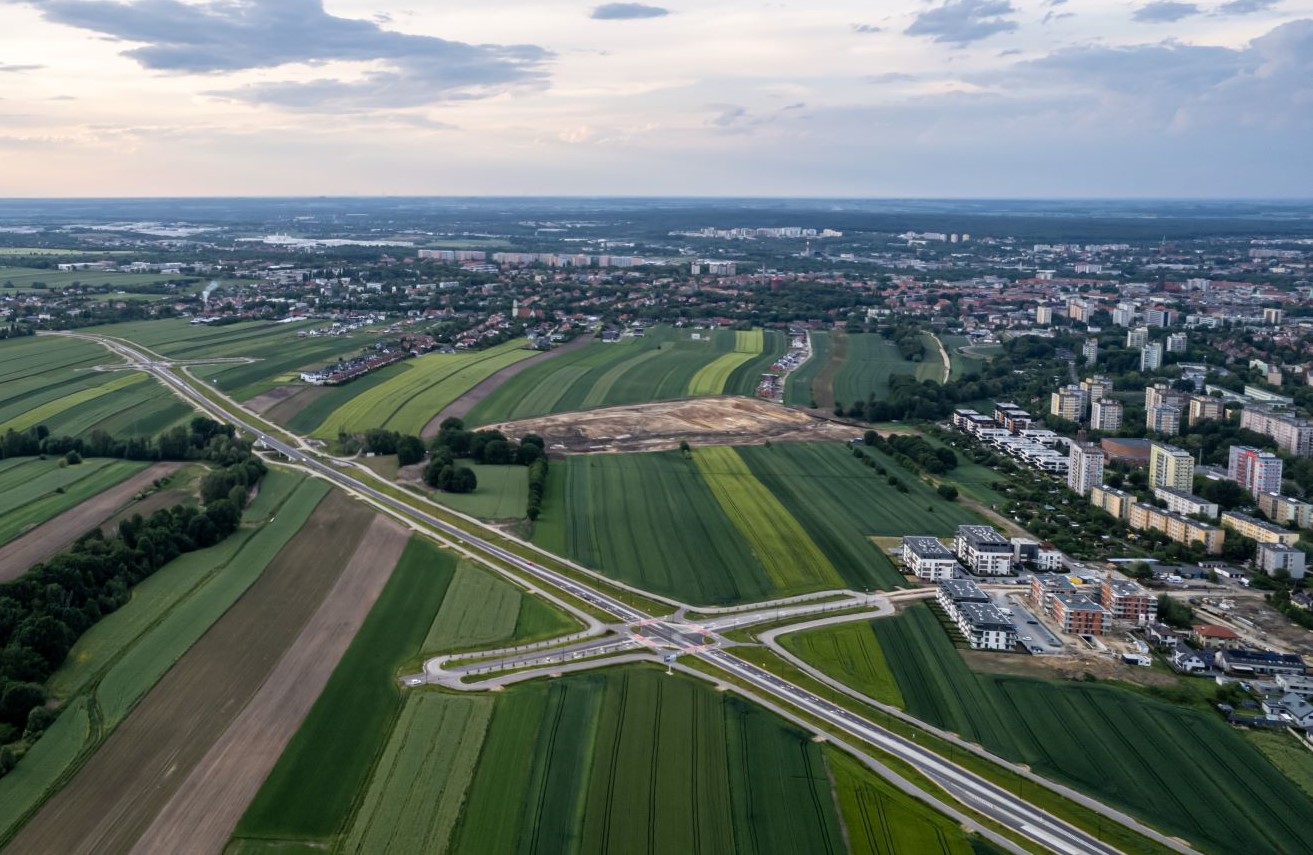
{"x": 1090, "y": 351}
{"x": 1151, "y": 356}
{"x": 1044, "y": 315}
{"x": 1085, "y": 467}
{"x": 1292, "y": 435}
{"x": 1170, "y": 466}
{"x": 1137, "y": 337}
{"x": 1163, "y": 419}
{"x": 1178, "y": 343}
{"x": 1204, "y": 407}
{"x": 1106, "y": 415}
{"x": 1257, "y": 471}
{"x": 1068, "y": 403}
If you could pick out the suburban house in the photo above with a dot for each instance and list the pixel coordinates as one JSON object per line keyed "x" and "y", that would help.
{"x": 1213, "y": 636}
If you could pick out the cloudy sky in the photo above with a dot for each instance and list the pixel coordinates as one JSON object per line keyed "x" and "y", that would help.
{"x": 957, "y": 98}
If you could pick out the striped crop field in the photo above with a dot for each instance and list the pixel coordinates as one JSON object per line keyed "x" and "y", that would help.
{"x": 416, "y": 791}
{"x": 798, "y": 389}
{"x": 794, "y": 516}
{"x": 113, "y": 384}
{"x": 881, "y": 820}
{"x": 46, "y": 380}
{"x": 792, "y": 559}
{"x": 651, "y": 520}
{"x": 33, "y": 490}
{"x": 1179, "y": 768}
{"x": 632, "y": 760}
{"x": 411, "y": 398}
{"x": 711, "y": 378}
{"x": 478, "y": 609}
{"x": 660, "y": 365}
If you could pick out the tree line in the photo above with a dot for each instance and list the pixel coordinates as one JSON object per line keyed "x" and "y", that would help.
{"x": 45, "y": 611}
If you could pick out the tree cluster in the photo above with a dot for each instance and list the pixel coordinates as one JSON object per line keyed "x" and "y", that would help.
{"x": 43, "y": 612}
{"x": 195, "y": 441}
{"x": 913, "y": 452}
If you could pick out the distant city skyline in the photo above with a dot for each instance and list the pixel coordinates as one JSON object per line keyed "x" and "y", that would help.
{"x": 943, "y": 98}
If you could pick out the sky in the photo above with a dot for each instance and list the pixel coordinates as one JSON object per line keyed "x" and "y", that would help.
{"x": 830, "y": 98}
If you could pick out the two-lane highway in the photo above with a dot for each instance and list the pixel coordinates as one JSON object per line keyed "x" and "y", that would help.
{"x": 983, "y": 796}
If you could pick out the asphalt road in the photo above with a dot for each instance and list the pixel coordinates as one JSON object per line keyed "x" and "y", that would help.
{"x": 989, "y": 799}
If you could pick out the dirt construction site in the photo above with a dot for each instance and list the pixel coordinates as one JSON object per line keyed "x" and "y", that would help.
{"x": 661, "y": 426}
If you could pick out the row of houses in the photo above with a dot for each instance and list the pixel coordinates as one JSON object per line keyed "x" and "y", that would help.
{"x": 1011, "y": 431}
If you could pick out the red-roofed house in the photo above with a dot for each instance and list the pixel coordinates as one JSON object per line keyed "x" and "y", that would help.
{"x": 1210, "y": 635}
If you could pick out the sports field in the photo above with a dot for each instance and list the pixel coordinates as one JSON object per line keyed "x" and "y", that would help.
{"x": 737, "y": 524}
{"x": 33, "y": 490}
{"x": 663, "y": 364}
{"x": 1180, "y": 769}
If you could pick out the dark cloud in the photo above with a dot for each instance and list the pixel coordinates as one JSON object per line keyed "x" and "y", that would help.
{"x": 1244, "y": 7}
{"x": 627, "y": 12}
{"x": 6, "y": 68}
{"x": 964, "y": 21}
{"x": 1164, "y": 12}
{"x": 865, "y": 29}
{"x": 236, "y": 35}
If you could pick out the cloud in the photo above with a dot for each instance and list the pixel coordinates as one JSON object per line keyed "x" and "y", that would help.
{"x": 221, "y": 36}
{"x": 627, "y": 12}
{"x": 961, "y": 22}
{"x": 1170, "y": 86}
{"x": 865, "y": 29}
{"x": 6, "y": 68}
{"x": 1244, "y": 7}
{"x": 1164, "y": 12}
{"x": 735, "y": 119}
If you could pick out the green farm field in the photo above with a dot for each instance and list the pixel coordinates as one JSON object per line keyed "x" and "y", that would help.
{"x": 309, "y": 795}
{"x": 45, "y": 380}
{"x": 792, "y": 560}
{"x": 27, "y": 278}
{"x": 650, "y": 520}
{"x": 115, "y": 663}
{"x": 798, "y": 389}
{"x": 313, "y": 796}
{"x": 30, "y": 489}
{"x": 871, "y": 361}
{"x": 658, "y": 520}
{"x": 660, "y": 365}
{"x": 1181, "y": 769}
{"x": 632, "y": 760}
{"x": 843, "y": 504}
{"x": 881, "y": 820}
{"x": 852, "y": 650}
{"x": 411, "y": 398}
{"x": 963, "y": 363}
{"x": 502, "y": 494}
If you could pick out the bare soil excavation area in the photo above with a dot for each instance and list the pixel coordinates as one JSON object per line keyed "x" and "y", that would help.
{"x": 661, "y": 426}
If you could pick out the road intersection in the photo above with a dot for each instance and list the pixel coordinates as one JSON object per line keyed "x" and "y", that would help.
{"x": 654, "y": 637}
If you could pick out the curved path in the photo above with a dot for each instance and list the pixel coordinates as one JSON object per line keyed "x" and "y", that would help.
{"x": 497, "y": 550}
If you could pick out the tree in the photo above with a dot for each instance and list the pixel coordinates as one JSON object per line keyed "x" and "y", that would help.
{"x": 463, "y": 480}
{"x": 18, "y": 701}
{"x": 410, "y": 450}
{"x": 948, "y": 492}
{"x": 73, "y": 458}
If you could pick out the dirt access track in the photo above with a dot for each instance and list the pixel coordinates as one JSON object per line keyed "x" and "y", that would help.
{"x": 53, "y": 535}
{"x": 662, "y": 426}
